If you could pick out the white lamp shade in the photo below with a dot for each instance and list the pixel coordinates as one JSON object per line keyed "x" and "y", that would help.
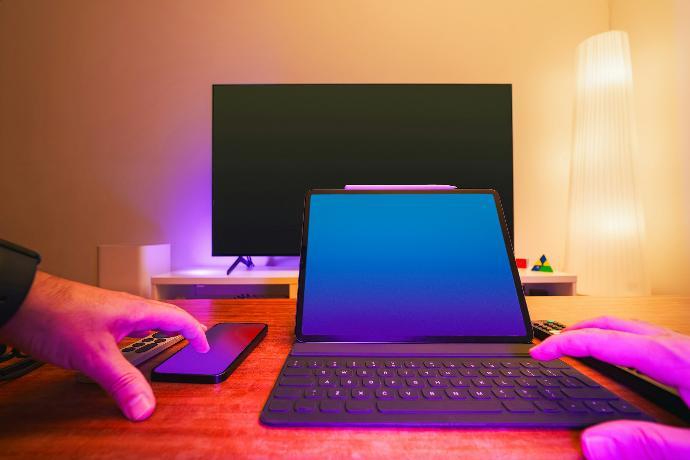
{"x": 606, "y": 234}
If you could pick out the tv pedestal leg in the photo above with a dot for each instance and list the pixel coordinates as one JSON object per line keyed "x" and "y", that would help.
{"x": 241, "y": 259}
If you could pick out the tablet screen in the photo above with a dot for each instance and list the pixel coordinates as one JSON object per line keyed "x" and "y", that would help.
{"x": 408, "y": 267}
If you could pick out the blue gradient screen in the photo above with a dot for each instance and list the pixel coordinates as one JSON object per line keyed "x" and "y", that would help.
{"x": 405, "y": 267}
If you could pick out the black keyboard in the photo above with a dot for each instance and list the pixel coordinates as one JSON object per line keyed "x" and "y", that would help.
{"x": 383, "y": 391}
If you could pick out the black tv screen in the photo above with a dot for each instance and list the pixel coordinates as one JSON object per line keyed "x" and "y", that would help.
{"x": 272, "y": 143}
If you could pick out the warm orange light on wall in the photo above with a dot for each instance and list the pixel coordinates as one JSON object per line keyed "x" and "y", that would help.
{"x": 605, "y": 246}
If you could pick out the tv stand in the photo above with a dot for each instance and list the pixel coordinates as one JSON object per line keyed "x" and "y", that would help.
{"x": 241, "y": 259}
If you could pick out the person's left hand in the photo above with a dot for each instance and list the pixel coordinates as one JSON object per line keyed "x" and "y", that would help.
{"x": 77, "y": 326}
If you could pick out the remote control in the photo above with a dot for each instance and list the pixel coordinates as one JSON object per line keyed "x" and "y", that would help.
{"x": 143, "y": 349}
{"x": 642, "y": 384}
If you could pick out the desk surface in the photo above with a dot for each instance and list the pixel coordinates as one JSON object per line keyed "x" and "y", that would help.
{"x": 47, "y": 414}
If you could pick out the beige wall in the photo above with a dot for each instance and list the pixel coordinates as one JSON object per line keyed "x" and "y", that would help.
{"x": 105, "y": 106}
{"x": 655, "y": 28}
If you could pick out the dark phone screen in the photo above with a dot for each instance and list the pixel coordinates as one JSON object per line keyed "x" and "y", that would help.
{"x": 227, "y": 341}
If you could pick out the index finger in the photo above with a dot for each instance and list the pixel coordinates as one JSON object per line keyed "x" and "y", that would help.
{"x": 619, "y": 324}
{"x": 171, "y": 319}
{"x": 643, "y": 352}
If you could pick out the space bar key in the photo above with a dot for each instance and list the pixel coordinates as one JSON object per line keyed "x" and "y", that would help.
{"x": 469, "y": 406}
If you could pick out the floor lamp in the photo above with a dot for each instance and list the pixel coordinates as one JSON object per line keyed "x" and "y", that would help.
{"x": 606, "y": 232}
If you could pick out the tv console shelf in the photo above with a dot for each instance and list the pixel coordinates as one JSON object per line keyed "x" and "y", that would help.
{"x": 279, "y": 282}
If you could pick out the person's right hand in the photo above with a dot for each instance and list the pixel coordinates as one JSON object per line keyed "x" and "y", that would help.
{"x": 657, "y": 352}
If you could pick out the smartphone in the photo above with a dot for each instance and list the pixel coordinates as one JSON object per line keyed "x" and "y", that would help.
{"x": 230, "y": 344}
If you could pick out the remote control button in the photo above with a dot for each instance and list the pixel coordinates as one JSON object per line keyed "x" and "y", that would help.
{"x": 163, "y": 335}
{"x": 128, "y": 349}
{"x": 137, "y": 344}
{"x": 159, "y": 341}
{"x": 146, "y": 347}
{"x": 148, "y": 339}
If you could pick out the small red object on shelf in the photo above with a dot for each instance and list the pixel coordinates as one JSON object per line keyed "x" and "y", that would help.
{"x": 521, "y": 263}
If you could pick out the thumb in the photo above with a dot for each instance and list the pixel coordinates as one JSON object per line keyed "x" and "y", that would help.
{"x": 124, "y": 382}
{"x": 625, "y": 439}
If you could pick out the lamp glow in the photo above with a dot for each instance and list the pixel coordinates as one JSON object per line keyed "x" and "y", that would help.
{"x": 605, "y": 244}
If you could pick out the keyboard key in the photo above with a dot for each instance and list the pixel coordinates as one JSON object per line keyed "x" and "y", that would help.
{"x": 481, "y": 382}
{"x": 447, "y": 373}
{"x": 510, "y": 372}
{"x": 510, "y": 364}
{"x": 296, "y": 381}
{"x": 581, "y": 378}
{"x": 548, "y": 407}
{"x": 313, "y": 393}
{"x": 344, "y": 373}
{"x": 366, "y": 372}
{"x": 386, "y": 373}
{"x": 371, "y": 383}
{"x": 354, "y": 364}
{"x": 490, "y": 364}
{"x": 383, "y": 393}
{"x": 349, "y": 382}
{"x": 527, "y": 393}
{"x": 574, "y": 407}
{"x": 470, "y": 364}
{"x": 296, "y": 372}
{"x": 430, "y": 393}
{"x": 280, "y": 405}
{"x": 438, "y": 383}
{"x": 314, "y": 364}
{"x": 287, "y": 393}
{"x": 372, "y": 364}
{"x": 393, "y": 364}
{"x": 326, "y": 382}
{"x": 467, "y": 406}
{"x": 361, "y": 393}
{"x": 409, "y": 393}
{"x": 412, "y": 364}
{"x": 588, "y": 393}
{"x": 624, "y": 408}
{"x": 333, "y": 364}
{"x": 406, "y": 373}
{"x": 480, "y": 394}
{"x": 489, "y": 372}
{"x": 450, "y": 364}
{"x": 524, "y": 382}
{"x": 503, "y": 393}
{"x": 518, "y": 407}
{"x": 354, "y": 406}
{"x": 393, "y": 383}
{"x": 295, "y": 363}
{"x": 337, "y": 393}
{"x": 460, "y": 383}
{"x": 432, "y": 364}
{"x": 323, "y": 372}
{"x": 305, "y": 406}
{"x": 505, "y": 383}
{"x": 529, "y": 364}
{"x": 531, "y": 372}
{"x": 599, "y": 407}
{"x": 548, "y": 382}
{"x": 330, "y": 406}
{"x": 571, "y": 383}
{"x": 456, "y": 394}
{"x": 414, "y": 383}
{"x": 551, "y": 373}
{"x": 428, "y": 373}
{"x": 468, "y": 372}
{"x": 551, "y": 394}
{"x": 555, "y": 364}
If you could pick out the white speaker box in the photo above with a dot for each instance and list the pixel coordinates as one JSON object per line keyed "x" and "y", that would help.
{"x": 129, "y": 268}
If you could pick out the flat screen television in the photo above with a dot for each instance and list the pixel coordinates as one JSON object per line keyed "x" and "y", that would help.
{"x": 273, "y": 142}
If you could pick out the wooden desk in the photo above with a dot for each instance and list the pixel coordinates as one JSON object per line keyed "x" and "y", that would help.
{"x": 47, "y": 414}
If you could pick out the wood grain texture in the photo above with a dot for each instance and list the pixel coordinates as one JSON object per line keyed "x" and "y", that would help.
{"x": 48, "y": 414}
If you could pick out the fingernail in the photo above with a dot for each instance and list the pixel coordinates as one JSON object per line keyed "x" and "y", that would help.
{"x": 204, "y": 327}
{"x": 598, "y": 448}
{"x": 139, "y": 407}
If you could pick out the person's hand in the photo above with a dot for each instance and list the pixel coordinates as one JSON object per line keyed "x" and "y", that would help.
{"x": 660, "y": 353}
{"x": 77, "y": 326}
